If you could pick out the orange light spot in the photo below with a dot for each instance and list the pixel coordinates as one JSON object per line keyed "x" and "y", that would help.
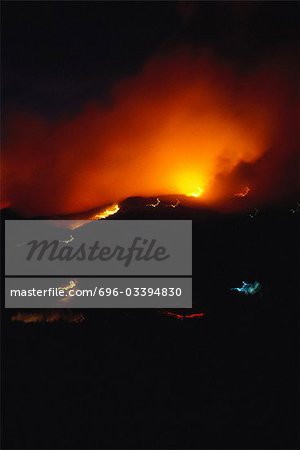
{"x": 243, "y": 193}
{"x": 104, "y": 213}
{"x": 183, "y": 316}
{"x": 47, "y": 317}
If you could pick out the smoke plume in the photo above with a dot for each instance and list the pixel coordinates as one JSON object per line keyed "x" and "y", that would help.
{"x": 187, "y": 121}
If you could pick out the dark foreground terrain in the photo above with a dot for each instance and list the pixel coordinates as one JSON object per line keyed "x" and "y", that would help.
{"x": 137, "y": 379}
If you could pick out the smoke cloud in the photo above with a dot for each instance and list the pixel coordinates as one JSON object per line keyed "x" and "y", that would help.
{"x": 186, "y": 121}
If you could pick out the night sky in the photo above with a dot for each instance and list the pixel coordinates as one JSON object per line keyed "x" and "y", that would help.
{"x": 138, "y": 378}
{"x": 59, "y": 55}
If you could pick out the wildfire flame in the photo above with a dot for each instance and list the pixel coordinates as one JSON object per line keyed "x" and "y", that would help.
{"x": 104, "y": 213}
{"x": 197, "y": 193}
{"x": 154, "y": 205}
{"x": 243, "y": 193}
{"x": 185, "y": 124}
{"x": 174, "y": 205}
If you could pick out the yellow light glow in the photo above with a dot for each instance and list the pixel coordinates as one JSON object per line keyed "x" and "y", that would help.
{"x": 196, "y": 193}
{"x": 189, "y": 182}
{"x": 113, "y": 209}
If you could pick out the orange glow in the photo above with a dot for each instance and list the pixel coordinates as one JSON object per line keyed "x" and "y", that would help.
{"x": 186, "y": 124}
{"x": 48, "y": 317}
{"x": 183, "y": 316}
{"x": 104, "y": 213}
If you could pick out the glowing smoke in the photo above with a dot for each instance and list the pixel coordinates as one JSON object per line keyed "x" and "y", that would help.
{"x": 186, "y": 123}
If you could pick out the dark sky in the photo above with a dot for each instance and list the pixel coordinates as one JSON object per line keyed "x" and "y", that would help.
{"x": 59, "y": 55}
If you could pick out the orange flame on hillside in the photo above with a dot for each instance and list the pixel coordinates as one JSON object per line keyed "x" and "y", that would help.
{"x": 48, "y": 317}
{"x": 197, "y": 193}
{"x": 106, "y": 212}
{"x": 186, "y": 124}
{"x": 154, "y": 205}
{"x": 243, "y": 193}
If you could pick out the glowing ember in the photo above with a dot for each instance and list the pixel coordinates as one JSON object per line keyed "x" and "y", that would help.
{"x": 243, "y": 193}
{"x": 154, "y": 205}
{"x": 66, "y": 288}
{"x": 183, "y": 316}
{"x": 104, "y": 213}
{"x": 67, "y": 241}
{"x": 171, "y": 205}
{"x": 48, "y": 317}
